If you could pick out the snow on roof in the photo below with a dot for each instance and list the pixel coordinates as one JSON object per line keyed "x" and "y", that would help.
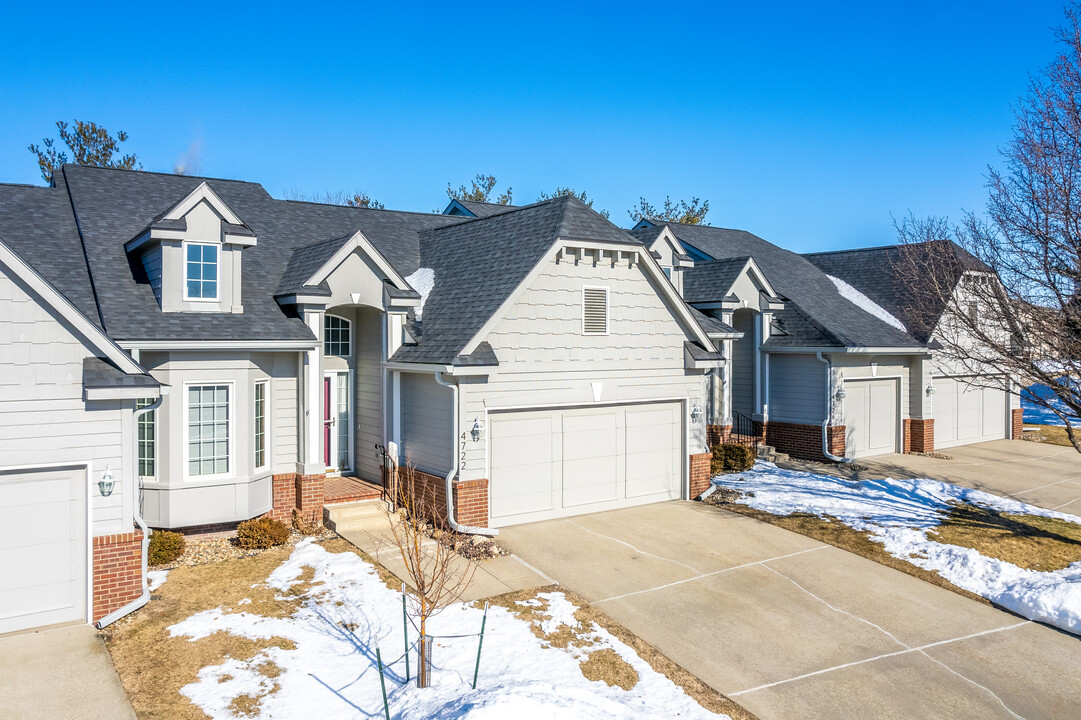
{"x": 423, "y": 280}
{"x": 866, "y": 304}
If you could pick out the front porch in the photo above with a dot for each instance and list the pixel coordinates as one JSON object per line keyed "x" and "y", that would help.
{"x": 348, "y": 488}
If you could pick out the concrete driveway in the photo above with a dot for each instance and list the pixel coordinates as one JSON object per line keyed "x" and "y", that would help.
{"x": 791, "y": 628}
{"x": 1048, "y": 476}
{"x": 60, "y": 674}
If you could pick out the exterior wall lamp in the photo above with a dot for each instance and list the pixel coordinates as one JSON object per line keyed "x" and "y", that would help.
{"x": 930, "y": 390}
{"x": 475, "y": 432}
{"x": 105, "y": 485}
{"x": 696, "y": 414}
{"x": 840, "y": 394}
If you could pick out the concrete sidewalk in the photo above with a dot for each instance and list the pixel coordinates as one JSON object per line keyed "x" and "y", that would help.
{"x": 1048, "y": 476}
{"x": 791, "y": 628}
{"x": 60, "y": 674}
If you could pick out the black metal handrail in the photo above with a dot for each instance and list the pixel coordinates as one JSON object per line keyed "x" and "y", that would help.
{"x": 744, "y": 431}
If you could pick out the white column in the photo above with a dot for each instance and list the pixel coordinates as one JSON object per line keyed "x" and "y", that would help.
{"x": 312, "y": 460}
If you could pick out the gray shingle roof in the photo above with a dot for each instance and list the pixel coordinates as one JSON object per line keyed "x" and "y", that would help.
{"x": 485, "y": 209}
{"x": 801, "y": 284}
{"x": 880, "y": 274}
{"x": 713, "y": 279}
{"x": 113, "y": 206}
{"x": 100, "y": 373}
{"x": 37, "y": 223}
{"x": 479, "y": 263}
{"x": 711, "y": 324}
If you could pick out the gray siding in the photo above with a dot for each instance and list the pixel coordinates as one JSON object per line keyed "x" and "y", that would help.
{"x": 369, "y": 400}
{"x": 546, "y": 360}
{"x": 743, "y": 351}
{"x": 427, "y": 430}
{"x": 43, "y": 418}
{"x": 152, "y": 265}
{"x": 797, "y": 389}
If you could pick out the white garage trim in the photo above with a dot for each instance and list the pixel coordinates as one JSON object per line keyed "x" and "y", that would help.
{"x": 87, "y": 467}
{"x": 683, "y": 403}
{"x": 899, "y": 428}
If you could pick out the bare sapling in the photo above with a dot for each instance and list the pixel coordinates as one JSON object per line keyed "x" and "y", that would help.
{"x": 439, "y": 576}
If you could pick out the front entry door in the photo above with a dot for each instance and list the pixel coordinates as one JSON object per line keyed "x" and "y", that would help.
{"x": 337, "y": 421}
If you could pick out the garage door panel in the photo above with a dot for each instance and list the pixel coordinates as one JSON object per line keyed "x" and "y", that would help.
{"x": 968, "y": 410}
{"x": 653, "y": 450}
{"x": 602, "y": 458}
{"x": 43, "y": 548}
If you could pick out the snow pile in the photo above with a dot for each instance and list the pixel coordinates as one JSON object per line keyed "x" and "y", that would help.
{"x": 866, "y": 304}
{"x": 423, "y": 280}
{"x": 1037, "y": 414}
{"x": 349, "y": 613}
{"x": 155, "y": 579}
{"x": 899, "y": 513}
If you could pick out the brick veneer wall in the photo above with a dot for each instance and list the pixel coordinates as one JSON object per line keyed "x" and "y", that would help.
{"x": 118, "y": 571}
{"x": 470, "y": 496}
{"x": 804, "y": 441}
{"x": 920, "y": 435}
{"x": 699, "y": 474}
{"x": 717, "y": 434}
{"x": 1017, "y": 423}
{"x": 285, "y": 496}
{"x": 303, "y": 493}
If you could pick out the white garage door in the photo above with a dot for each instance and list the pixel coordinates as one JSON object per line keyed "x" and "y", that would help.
{"x": 552, "y": 463}
{"x": 968, "y": 410}
{"x": 870, "y": 411}
{"x": 43, "y": 553}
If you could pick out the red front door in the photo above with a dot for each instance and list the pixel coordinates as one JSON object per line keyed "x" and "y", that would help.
{"x": 326, "y": 420}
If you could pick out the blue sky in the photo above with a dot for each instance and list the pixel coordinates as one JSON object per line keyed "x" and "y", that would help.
{"x": 806, "y": 125}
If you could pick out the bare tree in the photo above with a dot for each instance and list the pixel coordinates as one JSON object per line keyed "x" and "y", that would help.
{"x": 340, "y": 197}
{"x": 688, "y": 213}
{"x": 88, "y": 143}
{"x": 480, "y": 190}
{"x": 1009, "y": 282}
{"x": 438, "y": 574}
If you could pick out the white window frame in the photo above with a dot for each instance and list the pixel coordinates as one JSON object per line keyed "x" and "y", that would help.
{"x": 607, "y": 309}
{"x": 349, "y": 323}
{"x": 217, "y": 285}
{"x": 266, "y": 424}
{"x": 138, "y": 442}
{"x": 231, "y": 438}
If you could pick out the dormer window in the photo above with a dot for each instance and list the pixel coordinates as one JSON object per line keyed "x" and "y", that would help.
{"x": 201, "y": 272}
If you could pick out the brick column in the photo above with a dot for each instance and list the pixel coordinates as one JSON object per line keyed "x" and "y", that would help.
{"x": 699, "y": 474}
{"x": 309, "y": 496}
{"x": 471, "y": 502}
{"x": 1017, "y": 423}
{"x": 922, "y": 436}
{"x": 835, "y": 437}
{"x": 118, "y": 571}
{"x": 717, "y": 434}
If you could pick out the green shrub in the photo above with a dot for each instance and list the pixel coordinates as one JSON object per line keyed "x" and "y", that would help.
{"x": 261, "y": 533}
{"x": 165, "y": 547}
{"x": 730, "y": 458}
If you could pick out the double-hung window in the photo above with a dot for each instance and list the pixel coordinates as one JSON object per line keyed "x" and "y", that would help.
{"x": 209, "y": 424}
{"x": 260, "y": 424}
{"x": 201, "y": 272}
{"x": 146, "y": 438}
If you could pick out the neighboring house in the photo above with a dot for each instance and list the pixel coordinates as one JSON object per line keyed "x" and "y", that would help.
{"x": 536, "y": 362}
{"x": 827, "y": 365}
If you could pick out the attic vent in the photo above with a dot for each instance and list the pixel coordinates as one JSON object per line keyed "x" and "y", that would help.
{"x": 594, "y": 311}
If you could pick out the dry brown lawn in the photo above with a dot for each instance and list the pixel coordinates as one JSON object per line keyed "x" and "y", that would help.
{"x": 1028, "y": 541}
{"x": 1050, "y": 434}
{"x": 154, "y": 666}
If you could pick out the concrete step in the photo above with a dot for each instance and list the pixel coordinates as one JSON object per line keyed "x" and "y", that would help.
{"x": 362, "y": 515}
{"x": 770, "y": 454}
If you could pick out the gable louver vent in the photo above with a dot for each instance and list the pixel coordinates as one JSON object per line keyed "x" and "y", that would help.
{"x": 594, "y": 311}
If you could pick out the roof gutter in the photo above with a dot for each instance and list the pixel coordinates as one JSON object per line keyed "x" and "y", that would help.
{"x": 136, "y": 497}
{"x": 454, "y": 524}
{"x": 826, "y": 421}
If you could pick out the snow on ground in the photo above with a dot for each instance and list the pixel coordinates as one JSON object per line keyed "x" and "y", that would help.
{"x": 865, "y": 303}
{"x": 423, "y": 280}
{"x": 1037, "y": 415}
{"x": 156, "y": 578}
{"x": 350, "y": 612}
{"x": 899, "y": 513}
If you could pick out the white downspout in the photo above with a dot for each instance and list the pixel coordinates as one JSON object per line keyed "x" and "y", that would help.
{"x": 136, "y": 493}
{"x": 466, "y": 529}
{"x": 829, "y": 413}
